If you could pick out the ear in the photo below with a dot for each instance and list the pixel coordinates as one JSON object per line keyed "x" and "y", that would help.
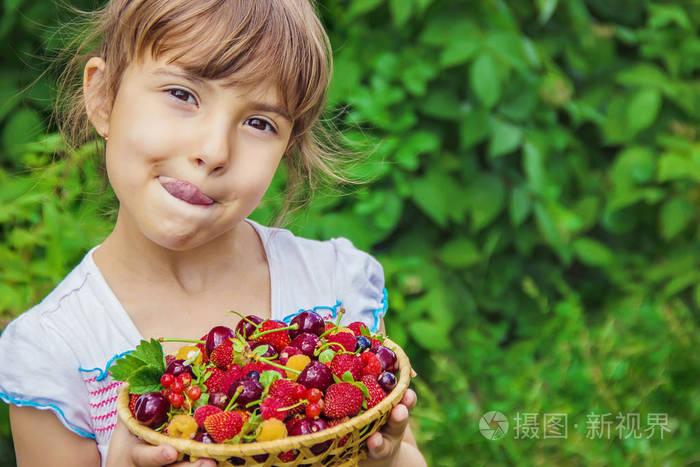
{"x": 95, "y": 93}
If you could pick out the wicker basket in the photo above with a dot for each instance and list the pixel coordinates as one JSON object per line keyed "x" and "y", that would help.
{"x": 352, "y": 450}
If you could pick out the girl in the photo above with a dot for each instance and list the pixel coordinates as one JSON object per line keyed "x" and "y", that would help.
{"x": 198, "y": 102}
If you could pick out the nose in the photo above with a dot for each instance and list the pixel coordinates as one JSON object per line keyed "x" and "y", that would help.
{"x": 216, "y": 152}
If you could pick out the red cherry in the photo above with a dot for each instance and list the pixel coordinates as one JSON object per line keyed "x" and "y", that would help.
{"x": 167, "y": 379}
{"x": 193, "y": 393}
{"x": 300, "y": 391}
{"x": 176, "y": 400}
{"x": 177, "y": 387}
{"x": 185, "y": 379}
{"x": 314, "y": 395}
{"x": 313, "y": 410}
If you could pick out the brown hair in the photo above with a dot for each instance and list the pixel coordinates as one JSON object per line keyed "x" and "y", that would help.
{"x": 239, "y": 41}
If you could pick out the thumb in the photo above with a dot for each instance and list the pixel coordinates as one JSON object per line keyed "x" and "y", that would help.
{"x": 146, "y": 455}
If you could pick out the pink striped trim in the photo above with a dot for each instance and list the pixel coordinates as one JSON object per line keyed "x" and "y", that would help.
{"x": 106, "y": 401}
{"x": 91, "y": 380}
{"x": 105, "y": 416}
{"x": 106, "y": 428}
{"x": 105, "y": 389}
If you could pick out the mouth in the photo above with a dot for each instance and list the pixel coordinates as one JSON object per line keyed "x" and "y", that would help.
{"x": 185, "y": 191}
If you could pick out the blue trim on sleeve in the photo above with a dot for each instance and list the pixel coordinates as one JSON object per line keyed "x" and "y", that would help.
{"x": 334, "y": 310}
{"x": 10, "y": 400}
{"x": 380, "y": 312}
{"x": 105, "y": 372}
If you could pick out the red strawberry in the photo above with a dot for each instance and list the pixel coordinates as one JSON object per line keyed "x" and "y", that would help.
{"x": 222, "y": 356}
{"x": 279, "y": 340}
{"x": 357, "y": 326}
{"x": 223, "y": 426}
{"x": 343, "y": 336}
{"x": 343, "y": 362}
{"x": 132, "y": 403}
{"x": 376, "y": 393}
{"x": 329, "y": 326}
{"x": 342, "y": 399}
{"x": 270, "y": 409}
{"x": 203, "y": 412}
{"x": 283, "y": 389}
{"x": 375, "y": 342}
{"x": 212, "y": 382}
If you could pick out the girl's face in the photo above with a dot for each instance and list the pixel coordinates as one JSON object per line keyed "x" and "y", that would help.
{"x": 188, "y": 158}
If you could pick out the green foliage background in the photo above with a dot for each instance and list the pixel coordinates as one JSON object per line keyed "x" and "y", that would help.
{"x": 534, "y": 202}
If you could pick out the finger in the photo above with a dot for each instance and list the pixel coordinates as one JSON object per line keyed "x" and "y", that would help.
{"x": 409, "y": 399}
{"x": 378, "y": 446}
{"x": 146, "y": 455}
{"x": 398, "y": 420}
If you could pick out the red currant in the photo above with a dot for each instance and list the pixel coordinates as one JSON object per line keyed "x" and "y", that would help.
{"x": 300, "y": 391}
{"x": 313, "y": 410}
{"x": 176, "y": 400}
{"x": 314, "y": 395}
{"x": 167, "y": 379}
{"x": 193, "y": 392}
{"x": 177, "y": 387}
{"x": 185, "y": 379}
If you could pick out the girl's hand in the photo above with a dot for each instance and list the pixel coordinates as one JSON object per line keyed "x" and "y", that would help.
{"x": 385, "y": 445}
{"x": 126, "y": 450}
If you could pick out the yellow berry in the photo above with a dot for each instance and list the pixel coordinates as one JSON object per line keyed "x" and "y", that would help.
{"x": 296, "y": 362}
{"x": 189, "y": 352}
{"x": 182, "y": 426}
{"x": 272, "y": 428}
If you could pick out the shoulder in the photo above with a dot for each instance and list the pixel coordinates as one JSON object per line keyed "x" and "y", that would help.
{"x": 334, "y": 269}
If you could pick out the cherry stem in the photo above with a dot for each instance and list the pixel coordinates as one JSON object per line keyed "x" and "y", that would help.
{"x": 193, "y": 341}
{"x": 325, "y": 345}
{"x": 281, "y": 367}
{"x": 239, "y": 389}
{"x": 256, "y": 335}
{"x": 301, "y": 401}
{"x": 244, "y": 318}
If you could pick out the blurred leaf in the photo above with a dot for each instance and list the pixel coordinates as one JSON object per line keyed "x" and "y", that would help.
{"x": 485, "y": 80}
{"x": 520, "y": 205}
{"x": 459, "y": 252}
{"x": 487, "y": 195}
{"x": 429, "y": 335}
{"x": 592, "y": 252}
{"x": 643, "y": 109}
{"x": 505, "y": 138}
{"x": 23, "y": 127}
{"x": 675, "y": 215}
{"x": 400, "y": 11}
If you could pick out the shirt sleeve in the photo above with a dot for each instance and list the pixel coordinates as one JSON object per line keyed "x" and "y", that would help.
{"x": 38, "y": 369}
{"x": 360, "y": 280}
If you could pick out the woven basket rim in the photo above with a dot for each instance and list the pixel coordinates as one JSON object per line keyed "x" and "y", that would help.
{"x": 275, "y": 446}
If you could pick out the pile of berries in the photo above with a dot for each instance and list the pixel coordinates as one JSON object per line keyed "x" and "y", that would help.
{"x": 266, "y": 380}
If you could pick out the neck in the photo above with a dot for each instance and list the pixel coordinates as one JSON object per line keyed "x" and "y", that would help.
{"x": 192, "y": 271}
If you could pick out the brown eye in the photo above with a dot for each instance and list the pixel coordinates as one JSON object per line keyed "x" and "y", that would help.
{"x": 182, "y": 95}
{"x": 260, "y": 124}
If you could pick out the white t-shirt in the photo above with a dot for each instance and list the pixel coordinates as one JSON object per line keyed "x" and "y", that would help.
{"x": 56, "y": 355}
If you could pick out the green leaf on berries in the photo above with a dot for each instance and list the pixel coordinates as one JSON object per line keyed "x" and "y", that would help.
{"x": 266, "y": 379}
{"x": 141, "y": 368}
{"x": 363, "y": 388}
{"x": 336, "y": 379}
{"x": 347, "y": 377}
{"x": 203, "y": 400}
{"x": 238, "y": 346}
{"x": 364, "y": 331}
{"x": 326, "y": 356}
{"x": 260, "y": 350}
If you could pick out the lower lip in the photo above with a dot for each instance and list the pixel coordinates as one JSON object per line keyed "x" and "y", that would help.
{"x": 185, "y": 192}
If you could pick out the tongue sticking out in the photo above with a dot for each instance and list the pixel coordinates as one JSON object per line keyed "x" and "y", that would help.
{"x": 184, "y": 190}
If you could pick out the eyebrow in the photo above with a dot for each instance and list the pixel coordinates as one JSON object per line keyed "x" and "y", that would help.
{"x": 257, "y": 105}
